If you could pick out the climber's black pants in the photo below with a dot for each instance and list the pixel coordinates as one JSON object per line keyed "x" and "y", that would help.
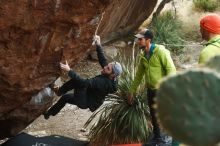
{"x": 151, "y": 101}
{"x": 78, "y": 98}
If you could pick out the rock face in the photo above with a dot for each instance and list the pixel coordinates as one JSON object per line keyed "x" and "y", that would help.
{"x": 122, "y": 17}
{"x": 35, "y": 35}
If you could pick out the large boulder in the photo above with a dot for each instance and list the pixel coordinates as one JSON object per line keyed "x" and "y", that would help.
{"x": 36, "y": 35}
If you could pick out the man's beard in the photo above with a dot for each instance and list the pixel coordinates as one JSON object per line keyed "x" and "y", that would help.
{"x": 105, "y": 74}
{"x": 142, "y": 47}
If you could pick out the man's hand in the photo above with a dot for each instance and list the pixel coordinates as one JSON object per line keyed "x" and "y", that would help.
{"x": 65, "y": 67}
{"x": 96, "y": 40}
{"x": 130, "y": 99}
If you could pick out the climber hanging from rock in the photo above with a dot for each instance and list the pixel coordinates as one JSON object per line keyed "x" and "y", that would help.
{"x": 88, "y": 93}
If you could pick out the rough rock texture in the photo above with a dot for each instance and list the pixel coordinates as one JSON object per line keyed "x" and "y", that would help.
{"x": 122, "y": 17}
{"x": 35, "y": 35}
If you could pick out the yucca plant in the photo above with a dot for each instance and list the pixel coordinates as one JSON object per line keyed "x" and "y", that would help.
{"x": 118, "y": 122}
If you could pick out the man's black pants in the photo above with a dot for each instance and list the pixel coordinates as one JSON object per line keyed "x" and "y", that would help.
{"x": 78, "y": 98}
{"x": 151, "y": 94}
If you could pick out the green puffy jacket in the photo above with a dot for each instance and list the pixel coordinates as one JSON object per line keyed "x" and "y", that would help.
{"x": 159, "y": 65}
{"x": 212, "y": 49}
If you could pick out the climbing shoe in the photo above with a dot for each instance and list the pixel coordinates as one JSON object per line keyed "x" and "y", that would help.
{"x": 46, "y": 116}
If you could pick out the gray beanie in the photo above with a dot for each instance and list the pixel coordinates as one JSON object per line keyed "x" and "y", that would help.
{"x": 116, "y": 67}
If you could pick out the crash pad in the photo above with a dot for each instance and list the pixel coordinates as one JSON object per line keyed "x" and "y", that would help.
{"x": 24, "y": 139}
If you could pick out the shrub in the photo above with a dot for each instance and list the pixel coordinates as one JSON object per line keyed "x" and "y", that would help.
{"x": 167, "y": 30}
{"x": 206, "y": 5}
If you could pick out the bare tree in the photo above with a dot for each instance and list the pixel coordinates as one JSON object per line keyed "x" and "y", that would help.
{"x": 160, "y": 8}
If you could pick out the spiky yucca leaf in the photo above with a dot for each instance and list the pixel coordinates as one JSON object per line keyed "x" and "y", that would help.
{"x": 118, "y": 122}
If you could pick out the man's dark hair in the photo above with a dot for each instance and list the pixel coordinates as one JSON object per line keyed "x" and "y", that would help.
{"x": 148, "y": 34}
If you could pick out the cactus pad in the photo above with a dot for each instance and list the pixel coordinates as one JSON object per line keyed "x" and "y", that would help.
{"x": 188, "y": 107}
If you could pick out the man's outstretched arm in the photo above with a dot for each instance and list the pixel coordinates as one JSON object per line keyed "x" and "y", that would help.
{"x": 100, "y": 53}
{"x": 101, "y": 56}
{"x": 73, "y": 75}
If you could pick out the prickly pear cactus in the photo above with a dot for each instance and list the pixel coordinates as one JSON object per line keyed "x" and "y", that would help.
{"x": 214, "y": 63}
{"x": 188, "y": 107}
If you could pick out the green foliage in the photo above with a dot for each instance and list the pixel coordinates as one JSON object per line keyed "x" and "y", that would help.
{"x": 206, "y": 5}
{"x": 118, "y": 122}
{"x": 188, "y": 107}
{"x": 167, "y": 30}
